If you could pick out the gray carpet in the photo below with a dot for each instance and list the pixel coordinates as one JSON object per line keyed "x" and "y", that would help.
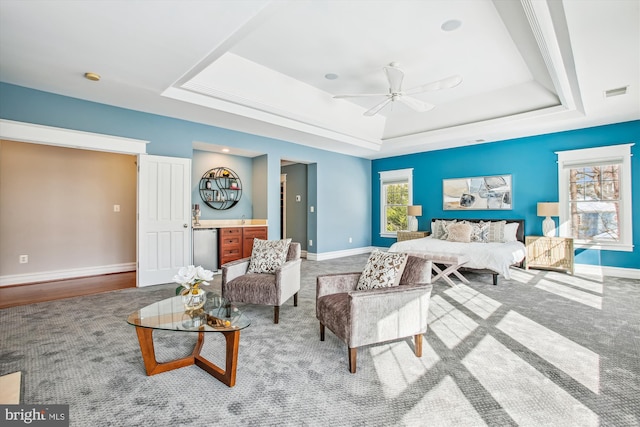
{"x": 541, "y": 349}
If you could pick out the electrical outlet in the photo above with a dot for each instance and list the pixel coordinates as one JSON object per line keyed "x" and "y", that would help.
{"x": 116, "y": 208}
{"x": 311, "y": 209}
{"x": 350, "y": 240}
{"x": 23, "y": 259}
{"x": 310, "y": 242}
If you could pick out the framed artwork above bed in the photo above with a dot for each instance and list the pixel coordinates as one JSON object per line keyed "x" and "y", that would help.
{"x": 477, "y": 193}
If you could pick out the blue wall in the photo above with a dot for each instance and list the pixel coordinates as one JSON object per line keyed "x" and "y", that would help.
{"x": 202, "y": 162}
{"x": 343, "y": 202}
{"x": 531, "y": 161}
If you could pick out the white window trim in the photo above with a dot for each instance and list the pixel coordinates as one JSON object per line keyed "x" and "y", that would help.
{"x": 393, "y": 175}
{"x": 613, "y": 153}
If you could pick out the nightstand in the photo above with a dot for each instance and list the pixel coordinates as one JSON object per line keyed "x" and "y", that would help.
{"x": 410, "y": 235}
{"x": 552, "y": 253}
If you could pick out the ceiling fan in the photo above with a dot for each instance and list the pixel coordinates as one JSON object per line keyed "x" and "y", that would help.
{"x": 395, "y": 76}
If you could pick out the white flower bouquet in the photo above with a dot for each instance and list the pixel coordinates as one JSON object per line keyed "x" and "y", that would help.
{"x": 192, "y": 277}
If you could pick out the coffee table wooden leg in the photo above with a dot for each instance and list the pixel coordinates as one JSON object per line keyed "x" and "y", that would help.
{"x": 151, "y": 365}
{"x": 228, "y": 376}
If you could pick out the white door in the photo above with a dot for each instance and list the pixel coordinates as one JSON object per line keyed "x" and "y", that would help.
{"x": 164, "y": 218}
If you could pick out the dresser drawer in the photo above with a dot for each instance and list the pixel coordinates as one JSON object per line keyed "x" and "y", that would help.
{"x": 257, "y": 232}
{"x": 230, "y": 232}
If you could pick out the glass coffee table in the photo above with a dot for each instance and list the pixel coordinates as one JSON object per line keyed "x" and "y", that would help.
{"x": 217, "y": 315}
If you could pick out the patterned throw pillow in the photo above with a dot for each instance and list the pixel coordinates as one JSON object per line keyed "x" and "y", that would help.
{"x": 460, "y": 232}
{"x": 445, "y": 228}
{"x": 436, "y": 229}
{"x": 496, "y": 231}
{"x": 268, "y": 255}
{"x": 383, "y": 270}
{"x": 479, "y": 231}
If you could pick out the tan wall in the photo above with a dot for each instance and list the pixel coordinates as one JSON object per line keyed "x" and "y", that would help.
{"x": 56, "y": 206}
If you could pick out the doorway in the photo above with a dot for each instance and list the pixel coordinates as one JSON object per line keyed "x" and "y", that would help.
{"x": 294, "y": 201}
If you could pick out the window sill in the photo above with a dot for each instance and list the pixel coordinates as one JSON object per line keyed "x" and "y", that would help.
{"x": 603, "y": 246}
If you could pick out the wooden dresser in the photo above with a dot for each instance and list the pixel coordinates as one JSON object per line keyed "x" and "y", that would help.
{"x": 553, "y": 253}
{"x": 237, "y": 242}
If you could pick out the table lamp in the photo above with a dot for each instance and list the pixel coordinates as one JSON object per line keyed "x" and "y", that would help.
{"x": 412, "y": 213}
{"x": 548, "y": 209}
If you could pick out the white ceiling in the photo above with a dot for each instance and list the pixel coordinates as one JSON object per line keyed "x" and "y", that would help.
{"x": 528, "y": 66}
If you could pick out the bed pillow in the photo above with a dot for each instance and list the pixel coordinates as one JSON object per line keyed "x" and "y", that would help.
{"x": 436, "y": 229}
{"x": 496, "y": 231}
{"x": 460, "y": 232}
{"x": 444, "y": 225}
{"x": 479, "y": 231}
{"x": 510, "y": 232}
{"x": 268, "y": 255}
{"x": 383, "y": 270}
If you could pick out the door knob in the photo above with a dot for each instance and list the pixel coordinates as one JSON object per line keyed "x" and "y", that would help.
{"x": 185, "y": 225}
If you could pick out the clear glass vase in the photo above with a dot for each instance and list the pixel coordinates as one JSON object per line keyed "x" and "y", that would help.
{"x": 193, "y": 299}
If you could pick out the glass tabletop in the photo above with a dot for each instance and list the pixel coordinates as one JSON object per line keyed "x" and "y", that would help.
{"x": 217, "y": 315}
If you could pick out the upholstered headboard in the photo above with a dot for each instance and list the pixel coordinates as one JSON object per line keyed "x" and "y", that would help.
{"x": 519, "y": 233}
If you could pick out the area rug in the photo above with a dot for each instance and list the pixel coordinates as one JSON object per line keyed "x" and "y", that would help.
{"x": 541, "y": 349}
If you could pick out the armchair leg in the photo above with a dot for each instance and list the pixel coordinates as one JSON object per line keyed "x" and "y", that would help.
{"x": 321, "y": 332}
{"x": 295, "y": 299}
{"x": 276, "y": 313}
{"x": 352, "y": 359}
{"x": 418, "y": 345}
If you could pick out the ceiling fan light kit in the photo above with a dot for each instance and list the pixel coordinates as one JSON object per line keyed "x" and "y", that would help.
{"x": 395, "y": 76}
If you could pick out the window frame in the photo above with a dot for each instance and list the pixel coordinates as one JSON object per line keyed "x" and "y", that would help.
{"x": 618, "y": 154}
{"x": 388, "y": 177}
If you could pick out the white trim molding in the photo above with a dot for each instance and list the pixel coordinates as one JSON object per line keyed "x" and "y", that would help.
{"x": 611, "y": 154}
{"x": 388, "y": 177}
{"x": 338, "y": 254}
{"x": 47, "y": 135}
{"x": 45, "y": 276}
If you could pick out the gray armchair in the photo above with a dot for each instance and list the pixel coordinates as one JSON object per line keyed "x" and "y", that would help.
{"x": 263, "y": 288}
{"x": 363, "y": 317}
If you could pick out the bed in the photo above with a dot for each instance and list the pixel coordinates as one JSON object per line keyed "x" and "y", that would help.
{"x": 493, "y": 257}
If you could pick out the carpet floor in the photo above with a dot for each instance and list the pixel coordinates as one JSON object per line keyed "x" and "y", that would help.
{"x": 541, "y": 349}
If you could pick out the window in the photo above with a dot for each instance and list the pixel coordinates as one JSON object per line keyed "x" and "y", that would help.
{"x": 595, "y": 197}
{"x": 396, "y": 194}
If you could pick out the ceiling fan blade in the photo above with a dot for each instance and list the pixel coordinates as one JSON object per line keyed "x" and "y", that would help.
{"x": 415, "y": 104}
{"x": 446, "y": 83}
{"x": 395, "y": 76}
{"x": 377, "y": 107}
{"x": 359, "y": 95}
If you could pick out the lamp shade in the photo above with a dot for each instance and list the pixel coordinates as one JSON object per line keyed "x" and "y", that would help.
{"x": 415, "y": 210}
{"x": 548, "y": 209}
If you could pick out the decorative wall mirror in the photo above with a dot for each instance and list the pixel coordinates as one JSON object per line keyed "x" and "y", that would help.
{"x": 220, "y": 188}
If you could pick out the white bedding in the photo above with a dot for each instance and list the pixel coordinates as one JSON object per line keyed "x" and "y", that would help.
{"x": 493, "y": 256}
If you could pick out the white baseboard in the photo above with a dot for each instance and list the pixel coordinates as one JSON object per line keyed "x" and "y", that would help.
{"x": 45, "y": 276}
{"x": 338, "y": 254}
{"x": 603, "y": 270}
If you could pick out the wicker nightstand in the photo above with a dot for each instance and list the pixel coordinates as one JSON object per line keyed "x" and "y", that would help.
{"x": 553, "y": 253}
{"x": 410, "y": 235}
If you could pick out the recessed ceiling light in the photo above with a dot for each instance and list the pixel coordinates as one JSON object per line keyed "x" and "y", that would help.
{"x": 225, "y": 150}
{"x": 615, "y": 92}
{"x": 92, "y": 76}
{"x": 331, "y": 76}
{"x": 451, "y": 25}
